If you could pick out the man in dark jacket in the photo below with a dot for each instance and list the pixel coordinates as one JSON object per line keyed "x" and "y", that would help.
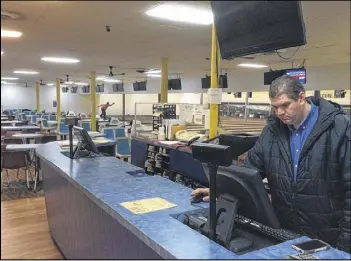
{"x": 304, "y": 152}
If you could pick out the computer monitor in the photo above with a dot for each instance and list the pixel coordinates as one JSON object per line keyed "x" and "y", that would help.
{"x": 241, "y": 191}
{"x": 84, "y": 142}
{"x": 239, "y": 143}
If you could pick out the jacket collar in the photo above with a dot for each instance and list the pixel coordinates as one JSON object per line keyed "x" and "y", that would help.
{"x": 327, "y": 112}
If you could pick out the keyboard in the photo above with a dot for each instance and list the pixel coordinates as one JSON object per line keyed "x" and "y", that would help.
{"x": 280, "y": 234}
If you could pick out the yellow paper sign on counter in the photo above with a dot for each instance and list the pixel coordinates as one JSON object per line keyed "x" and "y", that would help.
{"x": 147, "y": 205}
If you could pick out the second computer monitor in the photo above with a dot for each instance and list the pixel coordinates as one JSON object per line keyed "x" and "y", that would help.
{"x": 84, "y": 139}
{"x": 246, "y": 185}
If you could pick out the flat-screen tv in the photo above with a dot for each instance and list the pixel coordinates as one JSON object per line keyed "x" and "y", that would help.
{"x": 299, "y": 74}
{"x": 86, "y": 89}
{"x": 136, "y": 86}
{"x": 142, "y": 86}
{"x": 223, "y": 82}
{"x": 269, "y": 77}
{"x": 206, "y": 82}
{"x": 174, "y": 84}
{"x": 139, "y": 86}
{"x": 100, "y": 88}
{"x": 118, "y": 87}
{"x": 249, "y": 27}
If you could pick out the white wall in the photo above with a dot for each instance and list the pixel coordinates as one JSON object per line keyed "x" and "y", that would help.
{"x": 318, "y": 78}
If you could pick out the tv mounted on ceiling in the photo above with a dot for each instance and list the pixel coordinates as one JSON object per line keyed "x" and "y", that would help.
{"x": 174, "y": 84}
{"x": 249, "y": 27}
{"x": 223, "y": 82}
{"x": 118, "y": 87}
{"x": 299, "y": 74}
{"x": 139, "y": 86}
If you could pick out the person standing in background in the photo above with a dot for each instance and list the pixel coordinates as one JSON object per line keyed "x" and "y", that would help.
{"x": 104, "y": 108}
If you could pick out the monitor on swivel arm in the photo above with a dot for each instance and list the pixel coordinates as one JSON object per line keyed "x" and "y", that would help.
{"x": 84, "y": 143}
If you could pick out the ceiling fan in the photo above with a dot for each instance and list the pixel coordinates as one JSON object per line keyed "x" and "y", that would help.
{"x": 111, "y": 74}
{"x": 41, "y": 83}
{"x": 26, "y": 86}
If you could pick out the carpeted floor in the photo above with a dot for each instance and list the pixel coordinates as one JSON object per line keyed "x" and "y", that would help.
{"x": 17, "y": 189}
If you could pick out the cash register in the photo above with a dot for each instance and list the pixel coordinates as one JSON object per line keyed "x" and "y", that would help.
{"x": 240, "y": 217}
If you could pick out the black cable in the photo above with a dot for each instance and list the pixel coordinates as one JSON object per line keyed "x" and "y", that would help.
{"x": 303, "y": 63}
{"x": 285, "y": 58}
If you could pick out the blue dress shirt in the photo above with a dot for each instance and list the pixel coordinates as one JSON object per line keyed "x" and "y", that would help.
{"x": 299, "y": 136}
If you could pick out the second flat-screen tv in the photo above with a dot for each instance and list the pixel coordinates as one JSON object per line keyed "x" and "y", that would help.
{"x": 174, "y": 84}
{"x": 223, "y": 82}
{"x": 118, "y": 87}
{"x": 139, "y": 86}
{"x": 299, "y": 74}
{"x": 249, "y": 27}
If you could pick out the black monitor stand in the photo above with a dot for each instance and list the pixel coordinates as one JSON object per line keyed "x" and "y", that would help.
{"x": 70, "y": 135}
{"x": 224, "y": 235}
{"x": 227, "y": 204}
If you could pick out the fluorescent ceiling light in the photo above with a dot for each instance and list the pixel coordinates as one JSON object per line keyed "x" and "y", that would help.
{"x": 9, "y": 78}
{"x": 25, "y": 72}
{"x": 154, "y": 75}
{"x": 50, "y": 84}
{"x": 101, "y": 78}
{"x": 3, "y": 82}
{"x": 2, "y": 52}
{"x": 59, "y": 60}
{"x": 8, "y": 33}
{"x": 252, "y": 65}
{"x": 182, "y": 13}
{"x": 112, "y": 80}
{"x": 81, "y": 83}
{"x": 63, "y": 85}
{"x": 157, "y": 71}
{"x": 69, "y": 82}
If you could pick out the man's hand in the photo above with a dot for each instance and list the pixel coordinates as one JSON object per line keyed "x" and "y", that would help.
{"x": 204, "y": 191}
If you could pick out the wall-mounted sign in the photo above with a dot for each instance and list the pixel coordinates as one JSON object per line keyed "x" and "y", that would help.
{"x": 339, "y": 93}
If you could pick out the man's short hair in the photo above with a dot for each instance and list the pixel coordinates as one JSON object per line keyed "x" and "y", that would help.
{"x": 286, "y": 85}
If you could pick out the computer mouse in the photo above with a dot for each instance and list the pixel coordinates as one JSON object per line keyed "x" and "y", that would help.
{"x": 197, "y": 199}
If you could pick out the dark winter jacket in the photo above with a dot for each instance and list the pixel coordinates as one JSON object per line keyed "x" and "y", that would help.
{"x": 319, "y": 203}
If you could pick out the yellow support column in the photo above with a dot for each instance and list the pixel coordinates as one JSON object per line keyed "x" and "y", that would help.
{"x": 164, "y": 81}
{"x": 58, "y": 100}
{"x": 214, "y": 84}
{"x": 93, "y": 100}
{"x": 37, "y": 89}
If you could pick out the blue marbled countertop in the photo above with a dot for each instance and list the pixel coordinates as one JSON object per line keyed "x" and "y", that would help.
{"x": 109, "y": 182}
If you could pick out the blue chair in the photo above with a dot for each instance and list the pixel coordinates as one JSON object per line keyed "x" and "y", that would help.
{"x": 27, "y": 113}
{"x": 86, "y": 126}
{"x": 123, "y": 148}
{"x": 63, "y": 130}
{"x": 32, "y": 112}
{"x": 34, "y": 119}
{"x": 62, "y": 120}
{"x": 120, "y": 133}
{"x": 109, "y": 133}
{"x": 52, "y": 117}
